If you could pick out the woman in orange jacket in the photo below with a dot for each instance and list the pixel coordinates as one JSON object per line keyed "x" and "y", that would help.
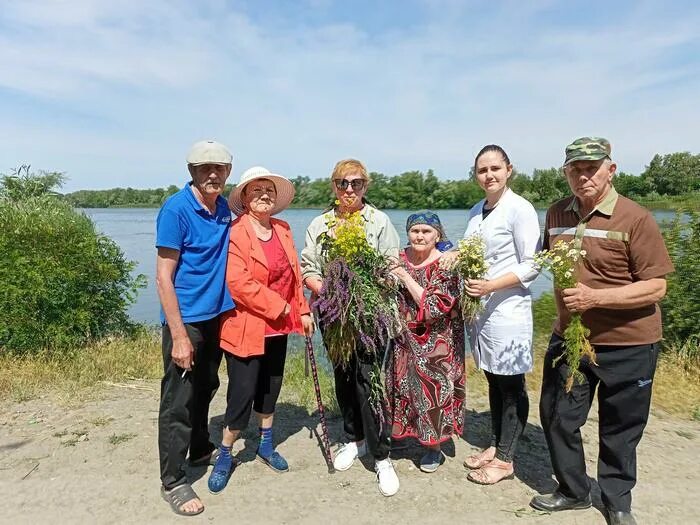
{"x": 263, "y": 276}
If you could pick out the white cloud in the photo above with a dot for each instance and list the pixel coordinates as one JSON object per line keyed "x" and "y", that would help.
{"x": 62, "y": 49}
{"x": 158, "y": 75}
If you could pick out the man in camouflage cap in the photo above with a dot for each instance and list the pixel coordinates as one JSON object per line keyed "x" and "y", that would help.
{"x": 621, "y": 280}
{"x": 587, "y": 148}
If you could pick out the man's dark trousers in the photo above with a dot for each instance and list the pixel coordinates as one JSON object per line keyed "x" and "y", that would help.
{"x": 184, "y": 401}
{"x": 624, "y": 378}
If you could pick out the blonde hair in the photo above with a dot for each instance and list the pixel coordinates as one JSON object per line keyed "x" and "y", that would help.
{"x": 347, "y": 166}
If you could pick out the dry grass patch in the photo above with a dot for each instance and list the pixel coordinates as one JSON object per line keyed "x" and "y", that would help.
{"x": 72, "y": 376}
{"x": 102, "y": 421}
{"x": 299, "y": 390}
{"x": 676, "y": 383}
{"x": 118, "y": 439}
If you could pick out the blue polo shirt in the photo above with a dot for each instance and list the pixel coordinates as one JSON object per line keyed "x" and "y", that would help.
{"x": 202, "y": 239}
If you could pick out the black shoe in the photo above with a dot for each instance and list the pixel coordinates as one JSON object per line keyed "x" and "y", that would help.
{"x": 620, "y": 517}
{"x": 557, "y": 501}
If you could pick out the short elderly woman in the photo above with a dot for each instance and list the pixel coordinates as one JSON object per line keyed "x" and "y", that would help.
{"x": 426, "y": 378}
{"x": 264, "y": 277}
{"x": 364, "y": 432}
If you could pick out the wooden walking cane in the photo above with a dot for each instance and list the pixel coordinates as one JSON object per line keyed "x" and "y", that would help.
{"x": 321, "y": 412}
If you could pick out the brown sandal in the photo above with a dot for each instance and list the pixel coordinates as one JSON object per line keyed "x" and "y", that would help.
{"x": 476, "y": 461}
{"x": 481, "y": 476}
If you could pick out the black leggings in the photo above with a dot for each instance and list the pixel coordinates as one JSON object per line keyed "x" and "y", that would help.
{"x": 254, "y": 382}
{"x": 509, "y": 407}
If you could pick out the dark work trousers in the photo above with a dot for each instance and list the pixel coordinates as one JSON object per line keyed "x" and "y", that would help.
{"x": 184, "y": 401}
{"x": 360, "y": 419}
{"x": 624, "y": 378}
{"x": 254, "y": 382}
{"x": 509, "y": 407}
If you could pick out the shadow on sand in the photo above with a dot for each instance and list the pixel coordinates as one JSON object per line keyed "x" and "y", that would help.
{"x": 532, "y": 462}
{"x": 289, "y": 420}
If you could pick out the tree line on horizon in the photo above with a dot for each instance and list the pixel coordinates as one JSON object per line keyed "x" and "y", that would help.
{"x": 672, "y": 177}
{"x": 67, "y": 286}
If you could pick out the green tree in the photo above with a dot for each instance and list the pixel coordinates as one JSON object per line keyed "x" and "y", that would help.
{"x": 677, "y": 174}
{"x": 549, "y": 185}
{"x": 311, "y": 193}
{"x": 379, "y": 192}
{"x": 465, "y": 193}
{"x": 673, "y": 174}
{"x": 519, "y": 182}
{"x": 631, "y": 186}
{"x": 63, "y": 283}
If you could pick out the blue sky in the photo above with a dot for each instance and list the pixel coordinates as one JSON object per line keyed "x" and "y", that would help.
{"x": 114, "y": 93}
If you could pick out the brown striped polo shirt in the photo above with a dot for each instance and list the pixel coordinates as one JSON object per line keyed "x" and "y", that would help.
{"x": 623, "y": 245}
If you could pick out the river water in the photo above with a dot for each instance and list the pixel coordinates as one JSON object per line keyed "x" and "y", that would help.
{"x": 133, "y": 229}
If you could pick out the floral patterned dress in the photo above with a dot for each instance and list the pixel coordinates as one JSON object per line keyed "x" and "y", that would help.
{"x": 425, "y": 379}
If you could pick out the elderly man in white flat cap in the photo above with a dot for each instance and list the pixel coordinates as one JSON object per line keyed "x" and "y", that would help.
{"x": 264, "y": 279}
{"x": 192, "y": 236}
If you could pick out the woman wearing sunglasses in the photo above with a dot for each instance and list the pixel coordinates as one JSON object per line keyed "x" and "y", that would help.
{"x": 352, "y": 382}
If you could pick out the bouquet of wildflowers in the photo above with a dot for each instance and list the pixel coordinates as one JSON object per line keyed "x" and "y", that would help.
{"x": 358, "y": 300}
{"x": 471, "y": 264}
{"x": 561, "y": 260}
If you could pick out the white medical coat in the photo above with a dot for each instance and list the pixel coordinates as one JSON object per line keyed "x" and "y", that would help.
{"x": 501, "y": 335}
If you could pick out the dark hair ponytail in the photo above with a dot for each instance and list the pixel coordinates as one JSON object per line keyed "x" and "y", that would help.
{"x": 492, "y": 147}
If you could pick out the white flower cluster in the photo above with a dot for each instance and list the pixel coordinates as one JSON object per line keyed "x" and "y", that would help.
{"x": 562, "y": 261}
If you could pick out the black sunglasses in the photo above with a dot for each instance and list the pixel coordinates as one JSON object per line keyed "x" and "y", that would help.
{"x": 342, "y": 184}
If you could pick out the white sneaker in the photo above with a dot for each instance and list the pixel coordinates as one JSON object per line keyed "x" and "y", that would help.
{"x": 386, "y": 477}
{"x": 347, "y": 454}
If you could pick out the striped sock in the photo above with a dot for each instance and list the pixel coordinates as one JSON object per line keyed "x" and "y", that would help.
{"x": 265, "y": 449}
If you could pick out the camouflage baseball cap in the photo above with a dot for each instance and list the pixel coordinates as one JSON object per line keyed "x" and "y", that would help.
{"x": 587, "y": 148}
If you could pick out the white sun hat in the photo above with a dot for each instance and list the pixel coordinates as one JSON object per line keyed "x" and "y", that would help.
{"x": 285, "y": 190}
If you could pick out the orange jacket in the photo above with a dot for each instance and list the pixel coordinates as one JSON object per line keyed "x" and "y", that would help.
{"x": 243, "y": 328}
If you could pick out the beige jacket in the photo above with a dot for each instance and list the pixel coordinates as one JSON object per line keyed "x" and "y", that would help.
{"x": 381, "y": 235}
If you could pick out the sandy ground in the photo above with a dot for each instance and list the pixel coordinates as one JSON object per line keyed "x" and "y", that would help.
{"x": 97, "y": 463}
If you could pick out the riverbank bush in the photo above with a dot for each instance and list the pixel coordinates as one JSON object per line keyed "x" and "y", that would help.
{"x": 681, "y": 307}
{"x": 63, "y": 283}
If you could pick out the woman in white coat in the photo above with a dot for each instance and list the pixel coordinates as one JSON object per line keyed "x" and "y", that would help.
{"x": 501, "y": 335}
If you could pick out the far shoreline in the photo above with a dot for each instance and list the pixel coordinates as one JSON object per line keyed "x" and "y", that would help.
{"x": 656, "y": 205}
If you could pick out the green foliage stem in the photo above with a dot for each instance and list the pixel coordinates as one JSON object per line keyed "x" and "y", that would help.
{"x": 576, "y": 346}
